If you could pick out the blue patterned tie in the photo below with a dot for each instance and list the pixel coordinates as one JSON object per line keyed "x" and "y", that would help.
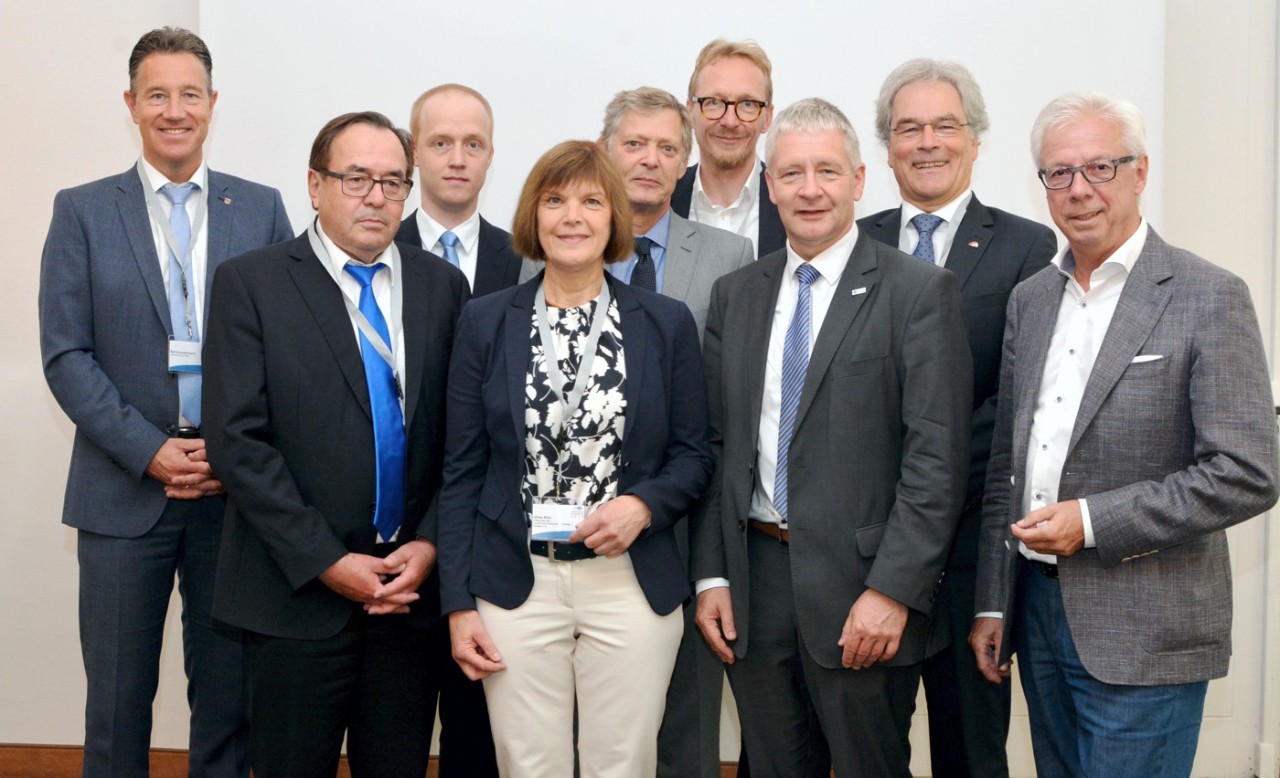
{"x": 644, "y": 275}
{"x": 450, "y": 243}
{"x": 925, "y": 224}
{"x": 795, "y": 363}
{"x": 185, "y": 327}
{"x": 388, "y": 421}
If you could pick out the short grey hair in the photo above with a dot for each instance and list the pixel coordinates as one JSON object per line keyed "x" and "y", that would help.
{"x": 812, "y": 114}
{"x": 646, "y": 100}
{"x": 1072, "y": 106}
{"x": 931, "y": 71}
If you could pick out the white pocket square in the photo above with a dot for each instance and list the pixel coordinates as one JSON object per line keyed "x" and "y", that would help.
{"x": 1146, "y": 358}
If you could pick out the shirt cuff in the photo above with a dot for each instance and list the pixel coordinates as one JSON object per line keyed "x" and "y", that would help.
{"x": 1089, "y": 541}
{"x": 703, "y": 584}
{"x": 989, "y": 615}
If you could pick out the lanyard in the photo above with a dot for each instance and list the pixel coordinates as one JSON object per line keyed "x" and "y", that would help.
{"x": 555, "y": 376}
{"x": 184, "y": 257}
{"x": 358, "y": 317}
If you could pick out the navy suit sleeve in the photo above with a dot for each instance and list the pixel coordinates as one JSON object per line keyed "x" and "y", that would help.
{"x": 71, "y": 284}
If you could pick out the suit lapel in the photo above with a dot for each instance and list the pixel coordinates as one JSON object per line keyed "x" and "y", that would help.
{"x": 678, "y": 264}
{"x": 132, "y": 206}
{"x": 324, "y": 299}
{"x": 886, "y": 228}
{"x": 970, "y": 241}
{"x": 860, "y": 272}
{"x": 1139, "y": 308}
{"x": 762, "y": 296}
{"x": 518, "y": 347}
{"x": 218, "y": 243}
{"x": 413, "y": 324}
{"x": 635, "y": 342}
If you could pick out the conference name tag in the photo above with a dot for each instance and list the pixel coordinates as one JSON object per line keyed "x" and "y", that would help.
{"x": 556, "y": 518}
{"x": 184, "y": 356}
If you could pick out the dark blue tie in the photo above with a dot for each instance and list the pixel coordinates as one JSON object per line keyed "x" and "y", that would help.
{"x": 925, "y": 224}
{"x": 183, "y": 316}
{"x": 388, "y": 421}
{"x": 644, "y": 274}
{"x": 795, "y": 363}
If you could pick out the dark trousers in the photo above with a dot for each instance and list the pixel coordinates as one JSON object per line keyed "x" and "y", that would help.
{"x": 125, "y": 586}
{"x": 799, "y": 718}
{"x": 374, "y": 681}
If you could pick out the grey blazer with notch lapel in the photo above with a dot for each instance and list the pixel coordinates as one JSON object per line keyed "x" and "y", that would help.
{"x": 1175, "y": 441}
{"x": 697, "y": 255}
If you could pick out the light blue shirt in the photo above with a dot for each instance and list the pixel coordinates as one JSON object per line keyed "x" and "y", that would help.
{"x": 658, "y": 234}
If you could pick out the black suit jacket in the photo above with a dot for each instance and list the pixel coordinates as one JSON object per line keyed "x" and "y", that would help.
{"x": 770, "y": 235}
{"x": 290, "y": 433}
{"x": 665, "y": 458}
{"x": 992, "y": 252}
{"x": 497, "y": 265}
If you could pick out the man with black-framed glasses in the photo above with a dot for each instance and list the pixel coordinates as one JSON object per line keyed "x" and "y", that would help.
{"x": 730, "y": 103}
{"x": 324, "y": 400}
{"x": 1135, "y": 425}
{"x": 930, "y": 116}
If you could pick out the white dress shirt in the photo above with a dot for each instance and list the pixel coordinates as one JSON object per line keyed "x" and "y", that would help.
{"x": 468, "y": 247}
{"x": 741, "y": 217}
{"x": 200, "y": 240}
{"x": 951, "y": 214}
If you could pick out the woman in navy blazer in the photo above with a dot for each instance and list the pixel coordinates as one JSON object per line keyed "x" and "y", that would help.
{"x": 595, "y": 618}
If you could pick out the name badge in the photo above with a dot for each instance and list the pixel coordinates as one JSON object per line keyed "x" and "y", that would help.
{"x": 184, "y": 356}
{"x": 556, "y": 518}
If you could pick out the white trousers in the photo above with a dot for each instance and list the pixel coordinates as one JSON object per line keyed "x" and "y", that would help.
{"x": 586, "y": 627}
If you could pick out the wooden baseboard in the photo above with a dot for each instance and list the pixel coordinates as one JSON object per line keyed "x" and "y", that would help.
{"x": 36, "y": 761}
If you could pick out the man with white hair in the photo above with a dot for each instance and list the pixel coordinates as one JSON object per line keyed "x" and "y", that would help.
{"x": 1135, "y": 425}
{"x": 930, "y": 116}
{"x": 839, "y": 381}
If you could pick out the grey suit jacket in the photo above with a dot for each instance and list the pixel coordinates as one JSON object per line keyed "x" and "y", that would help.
{"x": 104, "y": 331}
{"x": 880, "y": 452}
{"x": 1175, "y": 440}
{"x": 697, "y": 255}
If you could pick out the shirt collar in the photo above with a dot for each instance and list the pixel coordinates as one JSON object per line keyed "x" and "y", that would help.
{"x": 831, "y": 262}
{"x": 1122, "y": 259}
{"x": 338, "y": 258}
{"x": 658, "y": 233}
{"x": 950, "y": 213}
{"x": 468, "y": 232}
{"x": 157, "y": 179}
{"x": 749, "y": 195}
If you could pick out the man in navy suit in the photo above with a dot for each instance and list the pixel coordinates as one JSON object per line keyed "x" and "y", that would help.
{"x": 731, "y": 104}
{"x": 930, "y": 116}
{"x": 452, "y": 127}
{"x": 114, "y": 294}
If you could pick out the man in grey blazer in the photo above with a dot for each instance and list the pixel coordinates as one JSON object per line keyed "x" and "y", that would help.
{"x": 648, "y": 135}
{"x": 839, "y": 381}
{"x": 930, "y": 116}
{"x": 1135, "y": 425}
{"x": 114, "y": 297}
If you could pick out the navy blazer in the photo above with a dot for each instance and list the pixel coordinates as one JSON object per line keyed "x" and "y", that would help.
{"x": 666, "y": 456}
{"x": 770, "y": 235}
{"x": 497, "y": 265}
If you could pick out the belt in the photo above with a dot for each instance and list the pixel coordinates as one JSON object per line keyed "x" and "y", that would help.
{"x": 775, "y": 531}
{"x": 560, "y": 552}
{"x": 187, "y": 432}
{"x": 1046, "y": 569}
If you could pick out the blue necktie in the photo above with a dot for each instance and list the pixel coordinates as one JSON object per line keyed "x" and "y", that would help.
{"x": 925, "y": 224}
{"x": 388, "y": 421}
{"x": 182, "y": 317}
{"x": 795, "y": 363}
{"x": 450, "y": 243}
{"x": 644, "y": 274}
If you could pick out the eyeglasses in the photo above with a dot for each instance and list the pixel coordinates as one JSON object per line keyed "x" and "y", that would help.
{"x": 1100, "y": 171}
{"x": 910, "y": 131}
{"x": 714, "y": 108}
{"x": 359, "y": 185}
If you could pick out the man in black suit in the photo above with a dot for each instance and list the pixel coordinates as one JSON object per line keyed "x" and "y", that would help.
{"x": 930, "y": 116}
{"x": 324, "y": 404}
{"x": 731, "y": 105}
{"x": 452, "y": 127}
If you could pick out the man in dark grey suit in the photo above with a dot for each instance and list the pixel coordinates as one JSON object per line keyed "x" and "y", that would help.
{"x": 648, "y": 136}
{"x": 731, "y": 104}
{"x": 1135, "y": 425}
{"x": 930, "y": 116}
{"x": 452, "y": 128}
{"x": 839, "y": 383}
{"x": 123, "y": 276}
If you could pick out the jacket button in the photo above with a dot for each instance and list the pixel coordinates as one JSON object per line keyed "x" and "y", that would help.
{"x": 742, "y": 525}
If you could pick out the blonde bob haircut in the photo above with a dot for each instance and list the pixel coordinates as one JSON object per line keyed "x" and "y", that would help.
{"x": 566, "y": 164}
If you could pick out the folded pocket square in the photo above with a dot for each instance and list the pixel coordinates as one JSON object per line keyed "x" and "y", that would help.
{"x": 1147, "y": 358}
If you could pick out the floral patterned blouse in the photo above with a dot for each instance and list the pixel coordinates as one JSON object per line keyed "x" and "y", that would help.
{"x": 583, "y": 455}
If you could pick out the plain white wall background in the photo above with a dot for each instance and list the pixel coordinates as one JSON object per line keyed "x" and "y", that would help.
{"x": 548, "y": 71}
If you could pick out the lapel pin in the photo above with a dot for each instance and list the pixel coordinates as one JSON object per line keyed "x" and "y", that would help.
{"x": 973, "y": 244}
{"x": 858, "y": 291}
{"x": 227, "y": 201}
